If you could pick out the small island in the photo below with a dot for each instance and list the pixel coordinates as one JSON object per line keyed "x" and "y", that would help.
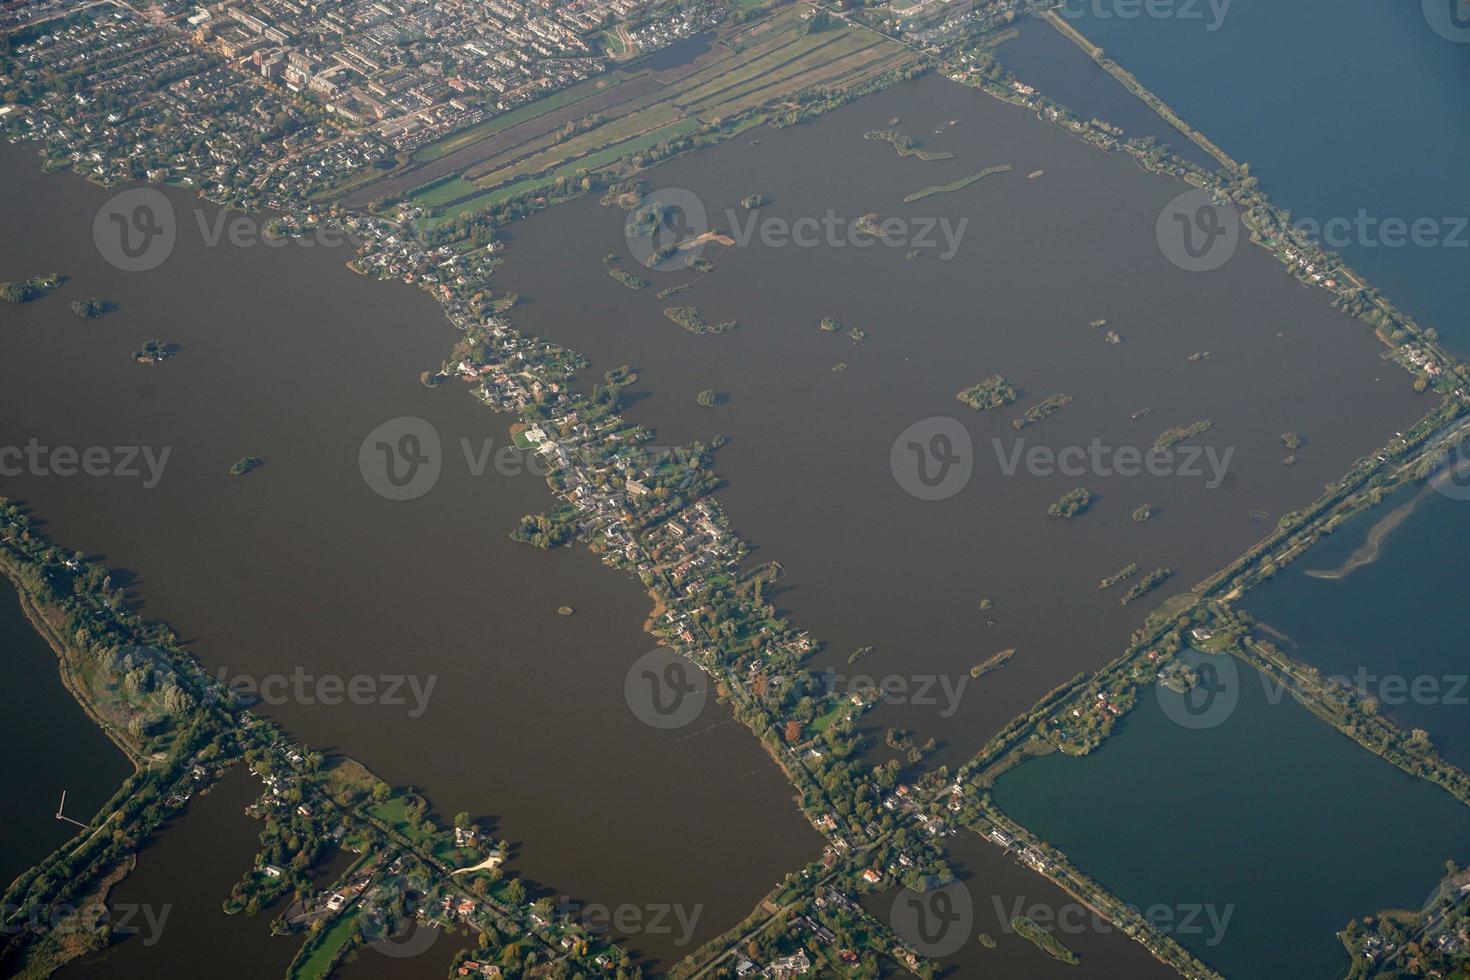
{"x": 1071, "y": 503}
{"x": 1142, "y": 513}
{"x": 830, "y": 324}
{"x": 689, "y": 318}
{"x": 627, "y": 278}
{"x": 154, "y": 352}
{"x": 1170, "y": 438}
{"x": 906, "y": 146}
{"x": 1121, "y": 575}
{"x": 1147, "y": 584}
{"x": 1049, "y": 944}
{"x": 29, "y": 289}
{"x": 995, "y": 662}
{"x": 958, "y": 185}
{"x": 995, "y": 391}
{"x": 752, "y": 201}
{"x": 1043, "y": 409}
{"x": 89, "y": 307}
{"x": 1291, "y": 441}
{"x": 709, "y": 398}
{"x": 245, "y": 464}
{"x": 565, "y": 610}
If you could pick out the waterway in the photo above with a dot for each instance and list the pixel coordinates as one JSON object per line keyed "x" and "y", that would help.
{"x": 484, "y": 698}
{"x": 52, "y": 747}
{"x": 809, "y": 473}
{"x": 1389, "y": 627}
{"x": 1058, "y": 69}
{"x": 1268, "y": 816}
{"x": 1283, "y": 86}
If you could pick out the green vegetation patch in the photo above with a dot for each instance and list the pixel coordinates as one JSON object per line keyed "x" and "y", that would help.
{"x": 1049, "y": 944}
{"x": 995, "y": 391}
{"x": 958, "y": 185}
{"x": 690, "y": 319}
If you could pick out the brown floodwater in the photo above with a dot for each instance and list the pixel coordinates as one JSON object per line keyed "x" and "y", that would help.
{"x": 300, "y": 570}
{"x": 807, "y": 470}
{"x": 300, "y": 566}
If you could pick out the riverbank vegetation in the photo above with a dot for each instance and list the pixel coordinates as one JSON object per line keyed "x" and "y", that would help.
{"x": 546, "y": 530}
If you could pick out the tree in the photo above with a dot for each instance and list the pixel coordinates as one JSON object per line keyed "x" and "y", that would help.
{"x": 793, "y": 731}
{"x": 515, "y": 892}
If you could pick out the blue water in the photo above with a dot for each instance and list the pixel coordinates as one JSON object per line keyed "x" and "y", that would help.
{"x": 1259, "y": 837}
{"x": 1393, "y": 628}
{"x": 1339, "y": 106}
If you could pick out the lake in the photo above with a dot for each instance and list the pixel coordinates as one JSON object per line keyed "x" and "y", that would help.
{"x": 52, "y": 746}
{"x": 809, "y": 471}
{"x": 483, "y": 697}
{"x": 1390, "y": 626}
{"x": 1282, "y": 85}
{"x": 1269, "y": 816}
